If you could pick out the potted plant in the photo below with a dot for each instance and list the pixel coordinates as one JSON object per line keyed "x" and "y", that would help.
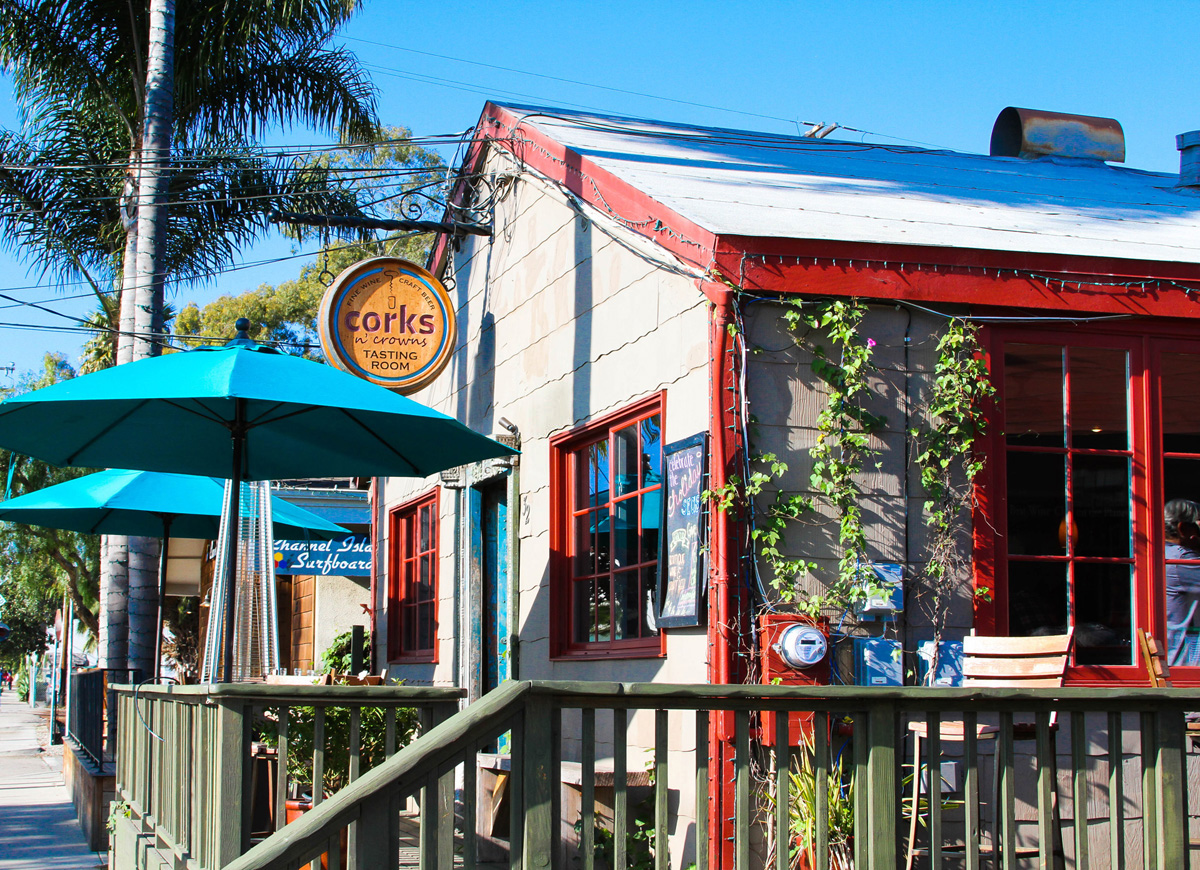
{"x": 372, "y": 740}
{"x": 802, "y": 810}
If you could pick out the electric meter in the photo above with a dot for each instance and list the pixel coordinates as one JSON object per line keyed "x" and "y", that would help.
{"x": 801, "y": 646}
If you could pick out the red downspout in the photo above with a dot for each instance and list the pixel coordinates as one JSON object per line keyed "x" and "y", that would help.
{"x": 720, "y": 774}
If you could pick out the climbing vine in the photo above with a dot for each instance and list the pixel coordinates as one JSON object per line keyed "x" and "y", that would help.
{"x": 842, "y": 359}
{"x": 839, "y": 456}
{"x": 960, "y": 389}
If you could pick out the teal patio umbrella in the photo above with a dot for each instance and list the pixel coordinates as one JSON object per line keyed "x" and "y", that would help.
{"x": 243, "y": 412}
{"x": 150, "y": 504}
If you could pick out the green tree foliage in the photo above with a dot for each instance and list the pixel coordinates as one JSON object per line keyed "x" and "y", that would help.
{"x": 39, "y": 565}
{"x": 28, "y": 612}
{"x": 395, "y": 179}
{"x": 78, "y": 71}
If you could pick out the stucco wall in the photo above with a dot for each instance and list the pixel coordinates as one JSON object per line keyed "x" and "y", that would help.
{"x": 561, "y": 320}
{"x": 785, "y": 399}
{"x": 338, "y": 607}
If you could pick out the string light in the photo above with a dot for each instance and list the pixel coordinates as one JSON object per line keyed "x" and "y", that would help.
{"x": 1140, "y": 284}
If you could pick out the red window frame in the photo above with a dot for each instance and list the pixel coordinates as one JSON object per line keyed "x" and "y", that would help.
{"x": 1145, "y": 345}
{"x": 411, "y": 603}
{"x": 564, "y": 582}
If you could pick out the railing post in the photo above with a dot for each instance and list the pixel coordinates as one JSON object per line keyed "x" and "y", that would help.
{"x": 538, "y": 755}
{"x": 230, "y": 793}
{"x": 882, "y": 798}
{"x": 1172, "y": 840}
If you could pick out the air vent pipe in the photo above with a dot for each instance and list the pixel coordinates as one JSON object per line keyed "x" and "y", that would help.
{"x": 1031, "y": 133}
{"x": 1189, "y": 158}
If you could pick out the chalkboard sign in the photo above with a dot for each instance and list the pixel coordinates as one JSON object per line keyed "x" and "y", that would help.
{"x": 681, "y": 566}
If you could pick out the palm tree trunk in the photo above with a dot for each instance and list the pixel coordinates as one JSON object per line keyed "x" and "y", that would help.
{"x": 114, "y": 602}
{"x": 114, "y": 549}
{"x": 148, "y": 291}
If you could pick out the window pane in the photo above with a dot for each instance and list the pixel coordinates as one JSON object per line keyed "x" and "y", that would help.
{"x": 651, "y": 451}
{"x": 1037, "y": 505}
{"x": 627, "y": 460}
{"x": 1180, "y": 410}
{"x": 1103, "y": 614}
{"x": 601, "y": 628}
{"x": 1181, "y": 479}
{"x": 410, "y": 628}
{"x": 584, "y": 468}
{"x": 1037, "y": 598}
{"x": 1101, "y": 494}
{"x": 1099, "y": 398}
{"x": 425, "y": 592}
{"x": 425, "y": 515}
{"x": 651, "y": 517}
{"x": 582, "y": 621}
{"x": 410, "y": 580}
{"x": 621, "y": 628}
{"x": 650, "y": 597}
{"x": 585, "y": 545}
{"x": 625, "y": 533}
{"x": 425, "y": 627}
{"x": 598, "y": 460}
{"x": 1033, "y": 395}
{"x": 591, "y": 542}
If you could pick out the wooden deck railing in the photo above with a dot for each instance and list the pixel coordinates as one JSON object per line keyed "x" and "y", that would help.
{"x": 1122, "y": 755}
{"x": 186, "y": 772}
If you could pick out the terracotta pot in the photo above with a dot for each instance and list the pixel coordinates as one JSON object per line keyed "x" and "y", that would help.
{"x": 295, "y": 809}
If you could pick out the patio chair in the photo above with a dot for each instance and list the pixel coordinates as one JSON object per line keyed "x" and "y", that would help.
{"x": 1002, "y": 663}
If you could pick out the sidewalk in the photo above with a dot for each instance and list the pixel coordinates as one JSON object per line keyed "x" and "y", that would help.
{"x": 38, "y": 829}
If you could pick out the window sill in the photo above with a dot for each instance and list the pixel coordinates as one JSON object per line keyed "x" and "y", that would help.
{"x": 414, "y": 659}
{"x": 653, "y": 650}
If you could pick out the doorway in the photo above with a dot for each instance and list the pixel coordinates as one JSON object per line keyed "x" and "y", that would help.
{"x": 490, "y": 555}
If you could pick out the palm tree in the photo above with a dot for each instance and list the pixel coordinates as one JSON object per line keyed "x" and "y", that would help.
{"x": 80, "y": 74}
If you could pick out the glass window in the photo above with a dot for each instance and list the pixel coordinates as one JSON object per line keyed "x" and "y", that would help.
{"x": 1068, "y": 525}
{"x": 412, "y": 581}
{"x": 608, "y": 512}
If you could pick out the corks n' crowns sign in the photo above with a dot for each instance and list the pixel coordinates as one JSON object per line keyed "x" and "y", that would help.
{"x": 389, "y": 321}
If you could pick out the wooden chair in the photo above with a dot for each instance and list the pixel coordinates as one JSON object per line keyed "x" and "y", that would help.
{"x": 1154, "y": 658}
{"x": 1003, "y": 663}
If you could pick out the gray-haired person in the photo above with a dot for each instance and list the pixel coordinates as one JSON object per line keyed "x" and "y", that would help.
{"x": 1182, "y": 518}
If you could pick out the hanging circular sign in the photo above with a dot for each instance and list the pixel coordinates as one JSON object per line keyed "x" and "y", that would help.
{"x": 388, "y": 321}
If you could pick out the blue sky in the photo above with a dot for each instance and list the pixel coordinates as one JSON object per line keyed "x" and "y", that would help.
{"x": 927, "y": 73}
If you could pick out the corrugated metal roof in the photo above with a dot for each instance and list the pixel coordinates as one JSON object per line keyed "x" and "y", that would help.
{"x": 739, "y": 183}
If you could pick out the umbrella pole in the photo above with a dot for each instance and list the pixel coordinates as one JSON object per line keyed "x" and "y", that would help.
{"x": 234, "y": 530}
{"x": 162, "y": 594}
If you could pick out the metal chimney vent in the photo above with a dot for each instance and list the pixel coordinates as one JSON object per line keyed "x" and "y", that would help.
{"x": 1189, "y": 158}
{"x": 1030, "y": 133}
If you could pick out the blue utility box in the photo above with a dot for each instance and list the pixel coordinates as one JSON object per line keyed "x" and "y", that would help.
{"x": 949, "y": 667}
{"x": 877, "y": 662}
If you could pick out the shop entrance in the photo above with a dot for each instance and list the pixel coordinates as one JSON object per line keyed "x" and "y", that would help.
{"x": 489, "y": 546}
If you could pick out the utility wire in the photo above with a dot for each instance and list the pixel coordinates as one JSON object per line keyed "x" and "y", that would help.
{"x": 567, "y": 81}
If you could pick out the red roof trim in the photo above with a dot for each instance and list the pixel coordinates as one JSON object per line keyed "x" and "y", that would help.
{"x": 820, "y": 267}
{"x": 598, "y": 187}
{"x": 959, "y": 276}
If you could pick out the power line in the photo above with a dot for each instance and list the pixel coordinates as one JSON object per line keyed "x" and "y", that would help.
{"x": 569, "y": 81}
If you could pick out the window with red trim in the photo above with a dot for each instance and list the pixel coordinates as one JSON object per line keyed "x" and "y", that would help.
{"x": 1093, "y": 432}
{"x": 412, "y": 581}
{"x": 607, "y": 487}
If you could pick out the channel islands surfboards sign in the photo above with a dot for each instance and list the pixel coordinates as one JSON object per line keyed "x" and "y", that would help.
{"x": 389, "y": 321}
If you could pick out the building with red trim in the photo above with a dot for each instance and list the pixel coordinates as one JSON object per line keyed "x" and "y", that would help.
{"x": 634, "y": 293}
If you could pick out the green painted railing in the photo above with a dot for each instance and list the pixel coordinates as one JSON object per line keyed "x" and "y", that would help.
{"x": 1121, "y": 799}
{"x": 186, "y": 770}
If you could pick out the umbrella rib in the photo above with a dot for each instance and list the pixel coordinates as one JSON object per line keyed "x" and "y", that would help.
{"x": 207, "y": 415}
{"x": 101, "y": 434}
{"x": 375, "y": 435}
{"x": 261, "y": 419}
